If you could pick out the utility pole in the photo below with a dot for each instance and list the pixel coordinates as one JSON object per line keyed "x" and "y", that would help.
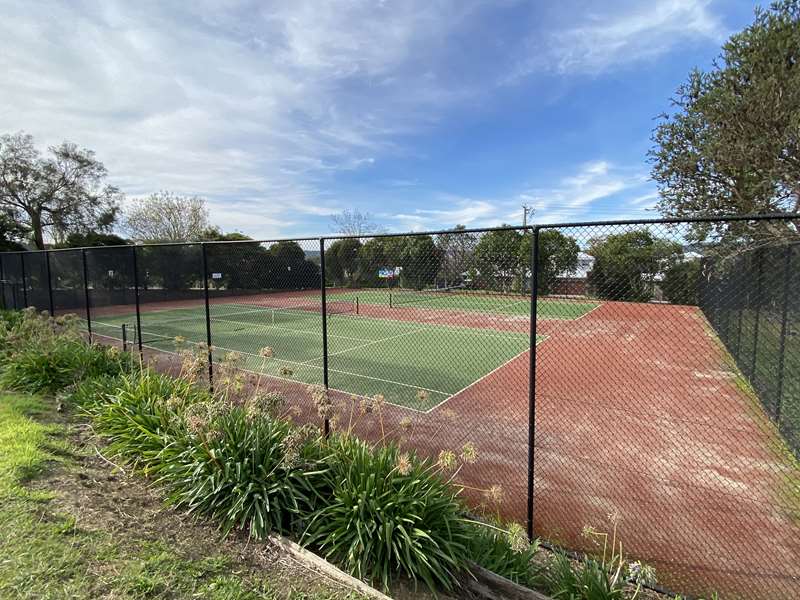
{"x": 526, "y": 210}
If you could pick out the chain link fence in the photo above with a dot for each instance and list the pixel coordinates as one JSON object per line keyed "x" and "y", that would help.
{"x": 643, "y": 377}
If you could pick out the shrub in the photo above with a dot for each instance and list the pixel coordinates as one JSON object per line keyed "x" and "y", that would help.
{"x": 389, "y": 512}
{"x": 245, "y": 469}
{"x": 505, "y": 551}
{"x": 142, "y": 415}
{"x": 43, "y": 355}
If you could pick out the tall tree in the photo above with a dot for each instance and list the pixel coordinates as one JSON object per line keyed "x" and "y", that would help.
{"x": 58, "y": 194}
{"x": 732, "y": 143}
{"x": 166, "y": 217}
{"x": 457, "y": 249}
{"x": 626, "y": 264}
{"x": 354, "y": 222}
{"x": 341, "y": 261}
{"x": 498, "y": 260}
{"x": 558, "y": 253}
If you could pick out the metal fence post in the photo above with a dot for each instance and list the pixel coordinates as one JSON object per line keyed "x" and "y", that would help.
{"x": 86, "y": 294}
{"x": 757, "y": 324}
{"x": 136, "y": 296}
{"x": 787, "y": 275}
{"x": 24, "y": 281}
{"x": 327, "y": 425}
{"x": 532, "y": 373}
{"x": 208, "y": 320}
{"x": 49, "y": 283}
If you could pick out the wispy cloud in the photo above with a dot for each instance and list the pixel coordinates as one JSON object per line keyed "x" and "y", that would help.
{"x": 596, "y": 190}
{"x": 612, "y": 35}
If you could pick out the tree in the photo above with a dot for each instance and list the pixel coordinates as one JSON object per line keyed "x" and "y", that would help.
{"x": 626, "y": 264}
{"x": 341, "y": 261}
{"x": 166, "y": 217}
{"x": 90, "y": 239}
{"x": 557, "y": 253}
{"x": 681, "y": 282}
{"x": 457, "y": 250}
{"x": 354, "y": 222}
{"x": 58, "y": 194}
{"x": 732, "y": 144}
{"x": 12, "y": 233}
{"x": 498, "y": 260}
{"x": 420, "y": 260}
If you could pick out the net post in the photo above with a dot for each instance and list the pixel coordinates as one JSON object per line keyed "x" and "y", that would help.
{"x": 208, "y": 319}
{"x": 49, "y": 283}
{"x": 787, "y": 275}
{"x": 136, "y": 298}
{"x": 86, "y": 294}
{"x": 24, "y": 281}
{"x": 390, "y": 299}
{"x": 327, "y": 425}
{"x": 124, "y": 337}
{"x": 532, "y": 374}
{"x": 356, "y": 304}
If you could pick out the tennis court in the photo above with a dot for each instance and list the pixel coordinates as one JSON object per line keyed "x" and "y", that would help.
{"x": 409, "y": 362}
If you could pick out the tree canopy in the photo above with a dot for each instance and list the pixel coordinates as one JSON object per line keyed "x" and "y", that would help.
{"x": 626, "y": 264}
{"x": 166, "y": 217}
{"x": 732, "y": 143}
{"x": 57, "y": 195}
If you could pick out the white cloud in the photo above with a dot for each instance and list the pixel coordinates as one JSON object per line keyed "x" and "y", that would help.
{"x": 595, "y": 190}
{"x": 608, "y": 35}
{"x": 262, "y": 103}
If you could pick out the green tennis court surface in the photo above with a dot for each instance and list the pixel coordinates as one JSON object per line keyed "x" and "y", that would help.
{"x": 468, "y": 301}
{"x": 417, "y": 365}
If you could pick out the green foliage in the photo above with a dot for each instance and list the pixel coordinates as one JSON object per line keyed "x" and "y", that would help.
{"x": 245, "y": 470}
{"x": 731, "y": 145}
{"x": 558, "y": 253}
{"x": 681, "y": 282}
{"x": 44, "y": 355}
{"x": 499, "y": 262}
{"x": 389, "y": 512}
{"x": 142, "y": 416}
{"x": 626, "y": 264}
{"x": 590, "y": 581}
{"x": 91, "y": 239}
{"x": 341, "y": 261}
{"x": 505, "y": 551}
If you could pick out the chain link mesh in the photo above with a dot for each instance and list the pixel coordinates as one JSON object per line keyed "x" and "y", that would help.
{"x": 666, "y": 397}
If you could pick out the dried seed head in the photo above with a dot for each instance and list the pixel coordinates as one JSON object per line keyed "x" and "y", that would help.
{"x": 285, "y": 372}
{"x": 446, "y": 460}
{"x": 403, "y": 464}
{"x": 422, "y": 395}
{"x": 495, "y": 494}
{"x": 180, "y": 341}
{"x": 405, "y": 423}
{"x": 517, "y": 538}
{"x": 468, "y": 453}
{"x": 265, "y": 352}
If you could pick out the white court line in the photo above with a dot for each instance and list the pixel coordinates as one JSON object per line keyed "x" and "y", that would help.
{"x": 370, "y": 343}
{"x": 462, "y": 390}
{"x": 270, "y": 325}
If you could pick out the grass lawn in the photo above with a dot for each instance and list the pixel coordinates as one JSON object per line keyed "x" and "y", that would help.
{"x": 71, "y": 526}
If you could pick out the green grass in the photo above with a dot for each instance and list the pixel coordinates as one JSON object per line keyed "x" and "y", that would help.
{"x": 47, "y": 553}
{"x": 367, "y": 356}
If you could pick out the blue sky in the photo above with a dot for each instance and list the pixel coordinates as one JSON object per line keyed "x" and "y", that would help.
{"x": 424, "y": 113}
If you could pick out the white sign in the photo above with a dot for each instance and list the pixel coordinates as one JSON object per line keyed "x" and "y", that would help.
{"x": 216, "y": 276}
{"x": 111, "y": 272}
